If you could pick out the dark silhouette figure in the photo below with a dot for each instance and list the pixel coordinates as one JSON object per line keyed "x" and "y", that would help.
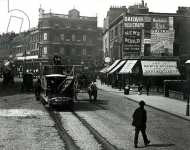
{"x": 148, "y": 85}
{"x": 92, "y": 91}
{"x": 37, "y": 89}
{"x": 139, "y": 121}
{"x": 140, "y": 87}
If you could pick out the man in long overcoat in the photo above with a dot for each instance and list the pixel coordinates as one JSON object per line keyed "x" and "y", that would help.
{"x": 139, "y": 121}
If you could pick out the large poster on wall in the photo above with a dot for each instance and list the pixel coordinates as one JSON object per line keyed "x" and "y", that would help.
{"x": 162, "y": 35}
{"x": 132, "y": 40}
{"x": 133, "y": 34}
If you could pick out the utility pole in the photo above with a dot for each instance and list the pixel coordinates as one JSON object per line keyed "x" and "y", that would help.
{"x": 187, "y": 108}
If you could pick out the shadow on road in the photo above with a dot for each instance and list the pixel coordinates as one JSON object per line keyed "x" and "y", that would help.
{"x": 81, "y": 105}
{"x": 12, "y": 89}
{"x": 157, "y": 145}
{"x": 160, "y": 145}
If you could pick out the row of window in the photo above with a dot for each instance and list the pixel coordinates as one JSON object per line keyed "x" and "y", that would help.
{"x": 4, "y": 45}
{"x": 63, "y": 51}
{"x": 64, "y": 37}
{"x": 34, "y": 46}
{"x": 37, "y": 37}
{"x": 68, "y": 24}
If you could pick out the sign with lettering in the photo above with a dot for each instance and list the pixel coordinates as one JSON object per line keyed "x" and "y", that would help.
{"x": 159, "y": 68}
{"x": 134, "y": 25}
{"x": 136, "y": 21}
{"x": 132, "y": 40}
{"x": 162, "y": 35}
{"x": 160, "y": 23}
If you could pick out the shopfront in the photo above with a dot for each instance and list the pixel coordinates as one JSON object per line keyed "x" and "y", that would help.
{"x": 109, "y": 79}
{"x": 157, "y": 71}
{"x": 129, "y": 73}
{"x": 113, "y": 74}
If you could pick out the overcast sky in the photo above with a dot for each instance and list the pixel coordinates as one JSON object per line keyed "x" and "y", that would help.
{"x": 86, "y": 8}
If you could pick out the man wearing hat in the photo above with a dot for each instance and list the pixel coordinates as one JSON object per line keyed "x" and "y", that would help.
{"x": 139, "y": 121}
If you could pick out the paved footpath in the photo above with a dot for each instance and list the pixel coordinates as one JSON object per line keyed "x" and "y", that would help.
{"x": 169, "y": 105}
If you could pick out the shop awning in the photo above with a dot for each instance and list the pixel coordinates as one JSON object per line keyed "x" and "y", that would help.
{"x": 27, "y": 57}
{"x": 127, "y": 68}
{"x": 112, "y": 66}
{"x": 104, "y": 69}
{"x": 117, "y": 67}
{"x": 160, "y": 68}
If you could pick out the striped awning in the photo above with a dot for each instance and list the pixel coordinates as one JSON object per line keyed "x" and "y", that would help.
{"x": 104, "y": 69}
{"x": 117, "y": 67}
{"x": 187, "y": 62}
{"x": 127, "y": 68}
{"x": 112, "y": 66}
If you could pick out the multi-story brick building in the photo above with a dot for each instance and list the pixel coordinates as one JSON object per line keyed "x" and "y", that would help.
{"x": 138, "y": 32}
{"x": 182, "y": 39}
{"x": 145, "y": 41}
{"x": 76, "y": 38}
{"x": 112, "y": 14}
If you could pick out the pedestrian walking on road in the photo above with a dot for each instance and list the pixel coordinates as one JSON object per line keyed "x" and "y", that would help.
{"x": 140, "y": 87}
{"x": 139, "y": 122}
{"x": 37, "y": 89}
{"x": 148, "y": 88}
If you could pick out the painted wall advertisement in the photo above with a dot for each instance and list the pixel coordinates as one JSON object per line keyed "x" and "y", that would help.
{"x": 132, "y": 40}
{"x": 162, "y": 35}
{"x": 133, "y": 30}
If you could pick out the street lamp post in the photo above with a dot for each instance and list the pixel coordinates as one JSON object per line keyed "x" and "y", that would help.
{"x": 187, "y": 107}
{"x": 187, "y": 87}
{"x": 187, "y": 96}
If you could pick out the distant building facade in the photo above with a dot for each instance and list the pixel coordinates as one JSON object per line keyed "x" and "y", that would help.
{"x": 5, "y": 44}
{"x": 143, "y": 43}
{"x": 76, "y": 38}
{"x": 138, "y": 32}
{"x": 112, "y": 14}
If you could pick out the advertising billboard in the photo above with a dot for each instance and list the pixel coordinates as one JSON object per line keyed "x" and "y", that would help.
{"x": 162, "y": 35}
{"x": 132, "y": 40}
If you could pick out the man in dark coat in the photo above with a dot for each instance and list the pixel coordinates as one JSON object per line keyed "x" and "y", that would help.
{"x": 37, "y": 89}
{"x": 139, "y": 121}
{"x": 148, "y": 87}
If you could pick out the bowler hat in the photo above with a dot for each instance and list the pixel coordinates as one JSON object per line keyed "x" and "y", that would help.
{"x": 142, "y": 103}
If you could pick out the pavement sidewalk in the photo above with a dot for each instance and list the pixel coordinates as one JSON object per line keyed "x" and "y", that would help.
{"x": 169, "y": 105}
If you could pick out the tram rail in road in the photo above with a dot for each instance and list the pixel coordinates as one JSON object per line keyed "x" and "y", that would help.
{"x": 70, "y": 144}
{"x": 67, "y": 139}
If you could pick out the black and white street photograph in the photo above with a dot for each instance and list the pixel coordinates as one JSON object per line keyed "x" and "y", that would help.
{"x": 94, "y": 75}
